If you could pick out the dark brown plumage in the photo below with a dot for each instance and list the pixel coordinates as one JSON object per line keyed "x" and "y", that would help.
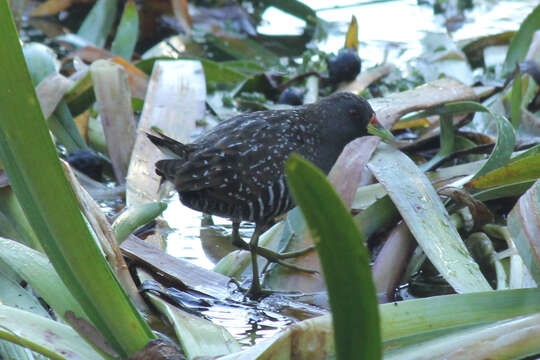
{"x": 236, "y": 170}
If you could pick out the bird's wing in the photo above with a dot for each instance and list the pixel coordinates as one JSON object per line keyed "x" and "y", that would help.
{"x": 223, "y": 163}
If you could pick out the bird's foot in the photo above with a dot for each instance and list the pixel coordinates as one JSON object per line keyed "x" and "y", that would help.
{"x": 290, "y": 254}
{"x": 277, "y": 258}
{"x": 256, "y": 292}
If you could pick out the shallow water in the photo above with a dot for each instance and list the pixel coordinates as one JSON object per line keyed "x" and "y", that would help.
{"x": 389, "y": 30}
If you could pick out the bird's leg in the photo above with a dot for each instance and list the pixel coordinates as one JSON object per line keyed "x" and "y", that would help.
{"x": 235, "y": 237}
{"x": 255, "y": 289}
{"x": 269, "y": 255}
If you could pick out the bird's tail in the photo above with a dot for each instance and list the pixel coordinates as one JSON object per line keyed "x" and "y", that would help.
{"x": 169, "y": 146}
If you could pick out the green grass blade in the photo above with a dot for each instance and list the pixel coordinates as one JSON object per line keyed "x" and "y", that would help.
{"x": 42, "y": 62}
{"x": 525, "y": 169}
{"x": 81, "y": 96}
{"x": 505, "y": 131}
{"x": 524, "y": 227}
{"x": 490, "y": 341}
{"x": 344, "y": 259}
{"x": 16, "y": 220}
{"x": 447, "y": 141}
{"x": 529, "y": 152}
{"x": 98, "y": 23}
{"x": 497, "y": 192}
{"x": 376, "y": 216}
{"x": 440, "y": 312}
{"x": 515, "y": 104}
{"x": 521, "y": 41}
{"x": 31, "y": 162}
{"x": 427, "y": 218}
{"x": 127, "y": 32}
{"x": 218, "y": 72}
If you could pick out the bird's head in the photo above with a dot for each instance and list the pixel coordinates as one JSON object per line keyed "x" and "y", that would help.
{"x": 346, "y": 114}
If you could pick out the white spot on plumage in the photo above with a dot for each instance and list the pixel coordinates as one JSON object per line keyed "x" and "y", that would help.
{"x": 261, "y": 207}
{"x": 251, "y": 210}
{"x": 270, "y": 195}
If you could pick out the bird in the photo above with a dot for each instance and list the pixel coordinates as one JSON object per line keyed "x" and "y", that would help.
{"x": 236, "y": 169}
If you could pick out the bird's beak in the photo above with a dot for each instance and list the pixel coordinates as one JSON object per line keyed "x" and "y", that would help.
{"x": 376, "y": 128}
{"x": 375, "y": 122}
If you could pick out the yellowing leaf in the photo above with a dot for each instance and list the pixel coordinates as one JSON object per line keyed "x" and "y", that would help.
{"x": 422, "y": 122}
{"x": 51, "y": 7}
{"x": 351, "y": 40}
{"x": 518, "y": 171}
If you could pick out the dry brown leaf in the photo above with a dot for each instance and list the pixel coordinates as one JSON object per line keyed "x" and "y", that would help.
{"x": 51, "y": 7}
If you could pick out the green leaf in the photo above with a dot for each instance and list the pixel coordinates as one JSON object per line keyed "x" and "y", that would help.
{"x": 81, "y": 96}
{"x": 344, "y": 259}
{"x": 424, "y": 315}
{"x": 249, "y": 67}
{"x": 14, "y": 221}
{"x": 518, "y": 171}
{"x": 381, "y": 132}
{"x": 376, "y": 216}
{"x": 213, "y": 71}
{"x": 506, "y": 134}
{"x": 42, "y": 62}
{"x": 503, "y": 191}
{"x": 13, "y": 294}
{"x": 420, "y": 318}
{"x": 198, "y": 336}
{"x": 524, "y": 227}
{"x": 529, "y": 152}
{"x": 98, "y": 23}
{"x": 243, "y": 49}
{"x": 48, "y": 337}
{"x": 135, "y": 217}
{"x": 521, "y": 41}
{"x": 447, "y": 141}
{"x": 31, "y": 162}
{"x": 491, "y": 341}
{"x": 127, "y": 32}
{"x": 515, "y": 105}
{"x": 427, "y": 218}
{"x": 36, "y": 269}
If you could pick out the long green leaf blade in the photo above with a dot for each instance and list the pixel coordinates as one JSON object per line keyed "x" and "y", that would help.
{"x": 198, "y": 336}
{"x": 521, "y": 41}
{"x": 127, "y": 32}
{"x": 505, "y": 131}
{"x": 344, "y": 259}
{"x": 98, "y": 23}
{"x": 427, "y": 218}
{"x": 36, "y": 270}
{"x": 524, "y": 227}
{"x": 48, "y": 337}
{"x": 31, "y": 162}
{"x": 518, "y": 171}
